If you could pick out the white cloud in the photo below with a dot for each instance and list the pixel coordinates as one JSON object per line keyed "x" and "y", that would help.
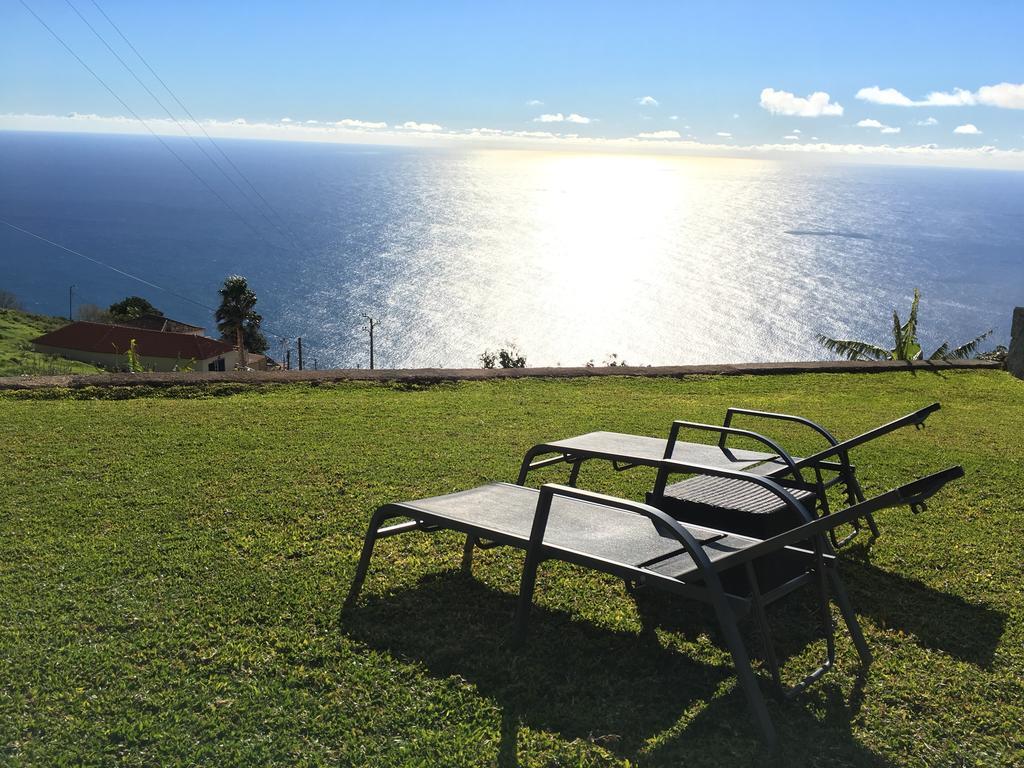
{"x": 795, "y": 130}
{"x": 1004, "y": 95}
{"x": 558, "y": 117}
{"x": 412, "y": 125}
{"x": 887, "y": 96}
{"x": 818, "y": 104}
{"x": 735, "y": 115}
{"x": 659, "y": 135}
{"x": 647, "y": 101}
{"x": 535, "y": 103}
{"x": 724, "y": 134}
{"x": 792, "y": 137}
{"x": 286, "y": 119}
{"x": 673, "y": 117}
{"x": 350, "y": 123}
{"x": 872, "y": 123}
{"x": 534, "y": 134}
{"x": 970, "y": 129}
{"x": 958, "y": 98}
{"x": 928, "y": 121}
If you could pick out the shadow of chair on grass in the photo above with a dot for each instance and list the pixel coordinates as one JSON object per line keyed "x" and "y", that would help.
{"x": 937, "y": 620}
{"x": 623, "y": 691}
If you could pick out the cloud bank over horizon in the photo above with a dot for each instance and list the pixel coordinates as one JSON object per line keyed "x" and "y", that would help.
{"x": 414, "y": 133}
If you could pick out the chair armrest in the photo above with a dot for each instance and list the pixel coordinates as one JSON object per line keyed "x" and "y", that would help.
{"x": 663, "y": 522}
{"x": 725, "y": 431}
{"x": 730, "y": 412}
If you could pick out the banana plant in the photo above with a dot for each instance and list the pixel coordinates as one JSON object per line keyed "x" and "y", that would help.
{"x": 905, "y": 343}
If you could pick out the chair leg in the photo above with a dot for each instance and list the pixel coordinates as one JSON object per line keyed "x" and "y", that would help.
{"x": 858, "y": 494}
{"x": 364, "y": 559}
{"x": 574, "y": 473}
{"x": 825, "y": 611}
{"x": 744, "y": 673}
{"x": 846, "y": 609}
{"x": 524, "y": 468}
{"x": 762, "y": 624}
{"x": 467, "y": 557}
{"x": 526, "y": 586}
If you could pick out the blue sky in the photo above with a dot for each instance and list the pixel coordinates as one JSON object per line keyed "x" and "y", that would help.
{"x": 443, "y": 71}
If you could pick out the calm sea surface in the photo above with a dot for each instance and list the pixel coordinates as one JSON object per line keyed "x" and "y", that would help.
{"x": 573, "y": 257}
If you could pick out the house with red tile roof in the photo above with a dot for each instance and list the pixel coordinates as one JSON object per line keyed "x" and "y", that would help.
{"x": 107, "y": 346}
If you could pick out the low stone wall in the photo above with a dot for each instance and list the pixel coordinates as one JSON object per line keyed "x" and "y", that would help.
{"x": 437, "y": 375}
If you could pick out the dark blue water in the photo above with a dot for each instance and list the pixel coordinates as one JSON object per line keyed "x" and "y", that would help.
{"x": 573, "y": 257}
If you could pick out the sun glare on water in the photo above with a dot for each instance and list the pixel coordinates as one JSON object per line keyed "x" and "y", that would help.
{"x": 578, "y": 256}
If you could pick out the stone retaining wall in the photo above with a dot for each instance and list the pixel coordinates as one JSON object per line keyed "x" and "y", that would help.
{"x": 437, "y": 375}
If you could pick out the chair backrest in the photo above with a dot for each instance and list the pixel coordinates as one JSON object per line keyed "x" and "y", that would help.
{"x": 840, "y": 449}
{"x": 913, "y": 494}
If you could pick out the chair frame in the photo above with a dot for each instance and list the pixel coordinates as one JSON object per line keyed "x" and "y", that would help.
{"x": 703, "y": 583}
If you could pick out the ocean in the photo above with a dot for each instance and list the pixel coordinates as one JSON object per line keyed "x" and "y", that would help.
{"x": 572, "y": 257}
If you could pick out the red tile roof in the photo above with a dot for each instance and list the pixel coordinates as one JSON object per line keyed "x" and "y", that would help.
{"x": 160, "y": 323}
{"x": 99, "y": 337}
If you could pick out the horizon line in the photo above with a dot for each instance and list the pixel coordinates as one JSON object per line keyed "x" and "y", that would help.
{"x": 417, "y": 134}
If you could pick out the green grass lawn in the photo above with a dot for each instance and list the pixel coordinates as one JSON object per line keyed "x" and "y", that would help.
{"x": 17, "y": 329}
{"x": 172, "y": 568}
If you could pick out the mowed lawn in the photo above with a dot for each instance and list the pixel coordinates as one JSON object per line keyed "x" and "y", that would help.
{"x": 172, "y": 569}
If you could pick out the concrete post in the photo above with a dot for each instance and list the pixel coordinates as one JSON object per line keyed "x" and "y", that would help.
{"x": 1015, "y": 357}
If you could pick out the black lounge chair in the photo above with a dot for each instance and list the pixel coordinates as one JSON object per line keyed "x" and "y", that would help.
{"x": 720, "y": 502}
{"x": 645, "y": 546}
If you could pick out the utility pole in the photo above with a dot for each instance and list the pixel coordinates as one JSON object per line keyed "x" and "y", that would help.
{"x": 287, "y": 359}
{"x": 300, "y": 353}
{"x": 71, "y": 296}
{"x": 373, "y": 323}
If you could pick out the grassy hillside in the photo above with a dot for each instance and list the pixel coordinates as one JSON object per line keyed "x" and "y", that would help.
{"x": 17, "y": 329}
{"x": 172, "y": 568}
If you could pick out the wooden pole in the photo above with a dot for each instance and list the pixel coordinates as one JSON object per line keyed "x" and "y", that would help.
{"x": 300, "y": 353}
{"x": 372, "y": 323}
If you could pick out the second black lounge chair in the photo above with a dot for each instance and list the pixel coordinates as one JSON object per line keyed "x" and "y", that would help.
{"x": 717, "y": 502}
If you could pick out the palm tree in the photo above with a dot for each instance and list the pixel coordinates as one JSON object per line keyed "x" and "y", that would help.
{"x": 236, "y": 312}
{"x": 905, "y": 343}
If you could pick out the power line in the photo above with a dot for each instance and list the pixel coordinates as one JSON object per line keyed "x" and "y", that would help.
{"x": 134, "y": 114}
{"x": 155, "y": 98}
{"x": 194, "y": 120}
{"x": 122, "y": 272}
